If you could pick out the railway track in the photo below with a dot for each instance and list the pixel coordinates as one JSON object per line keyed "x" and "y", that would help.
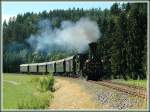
{"x": 132, "y": 90}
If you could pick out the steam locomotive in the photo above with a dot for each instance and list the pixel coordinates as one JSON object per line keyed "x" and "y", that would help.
{"x": 87, "y": 65}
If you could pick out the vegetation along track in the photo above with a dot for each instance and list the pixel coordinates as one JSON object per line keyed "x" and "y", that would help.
{"x": 132, "y": 86}
{"x": 133, "y": 90}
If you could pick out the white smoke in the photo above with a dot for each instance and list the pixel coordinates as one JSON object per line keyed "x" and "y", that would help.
{"x": 70, "y": 36}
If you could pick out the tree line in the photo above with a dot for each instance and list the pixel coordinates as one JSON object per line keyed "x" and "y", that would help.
{"x": 122, "y": 45}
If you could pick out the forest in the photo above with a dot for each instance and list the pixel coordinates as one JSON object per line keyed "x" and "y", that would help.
{"x": 123, "y": 38}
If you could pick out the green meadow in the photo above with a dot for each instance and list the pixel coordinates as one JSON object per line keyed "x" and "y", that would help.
{"x": 22, "y": 91}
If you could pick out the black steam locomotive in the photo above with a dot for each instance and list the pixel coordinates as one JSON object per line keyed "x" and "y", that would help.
{"x": 87, "y": 65}
{"x": 93, "y": 65}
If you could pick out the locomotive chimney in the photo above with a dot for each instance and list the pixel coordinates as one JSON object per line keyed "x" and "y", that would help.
{"x": 93, "y": 47}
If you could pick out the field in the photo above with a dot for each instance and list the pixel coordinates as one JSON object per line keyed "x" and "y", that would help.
{"x": 18, "y": 88}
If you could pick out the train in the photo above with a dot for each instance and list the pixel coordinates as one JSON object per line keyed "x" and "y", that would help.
{"x": 80, "y": 65}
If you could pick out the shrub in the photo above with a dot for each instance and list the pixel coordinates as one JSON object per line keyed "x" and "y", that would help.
{"x": 46, "y": 83}
{"x": 42, "y": 98}
{"x": 38, "y": 101}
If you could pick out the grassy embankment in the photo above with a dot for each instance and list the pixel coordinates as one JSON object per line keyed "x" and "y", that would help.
{"x": 26, "y": 91}
{"x": 141, "y": 83}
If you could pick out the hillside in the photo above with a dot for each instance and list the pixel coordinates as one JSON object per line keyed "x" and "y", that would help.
{"x": 122, "y": 39}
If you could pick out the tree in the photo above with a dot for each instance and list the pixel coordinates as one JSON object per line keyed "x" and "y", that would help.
{"x": 122, "y": 45}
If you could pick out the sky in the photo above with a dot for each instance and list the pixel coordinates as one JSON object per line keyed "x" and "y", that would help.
{"x": 10, "y": 9}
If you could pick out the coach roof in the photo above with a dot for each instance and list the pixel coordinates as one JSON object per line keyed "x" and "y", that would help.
{"x": 58, "y": 61}
{"x": 24, "y": 64}
{"x": 52, "y": 62}
{"x": 69, "y": 58}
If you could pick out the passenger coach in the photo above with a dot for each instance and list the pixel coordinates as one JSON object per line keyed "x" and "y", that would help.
{"x": 67, "y": 67}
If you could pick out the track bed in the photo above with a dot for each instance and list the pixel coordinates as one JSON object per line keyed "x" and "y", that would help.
{"x": 130, "y": 89}
{"x": 75, "y": 93}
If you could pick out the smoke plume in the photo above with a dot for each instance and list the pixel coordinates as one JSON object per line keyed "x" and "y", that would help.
{"x": 70, "y": 35}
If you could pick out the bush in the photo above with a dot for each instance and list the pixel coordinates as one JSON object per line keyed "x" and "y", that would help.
{"x": 42, "y": 97}
{"x": 46, "y": 83}
{"x": 38, "y": 101}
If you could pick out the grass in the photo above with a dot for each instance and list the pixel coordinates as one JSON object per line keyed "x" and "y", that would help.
{"x": 36, "y": 101}
{"x": 46, "y": 83}
{"x": 20, "y": 90}
{"x": 141, "y": 83}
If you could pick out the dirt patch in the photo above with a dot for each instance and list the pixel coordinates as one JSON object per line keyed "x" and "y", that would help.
{"x": 71, "y": 95}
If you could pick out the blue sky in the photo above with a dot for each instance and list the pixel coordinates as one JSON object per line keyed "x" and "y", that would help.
{"x": 10, "y": 9}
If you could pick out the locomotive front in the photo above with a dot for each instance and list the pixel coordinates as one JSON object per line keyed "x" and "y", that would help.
{"x": 93, "y": 65}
